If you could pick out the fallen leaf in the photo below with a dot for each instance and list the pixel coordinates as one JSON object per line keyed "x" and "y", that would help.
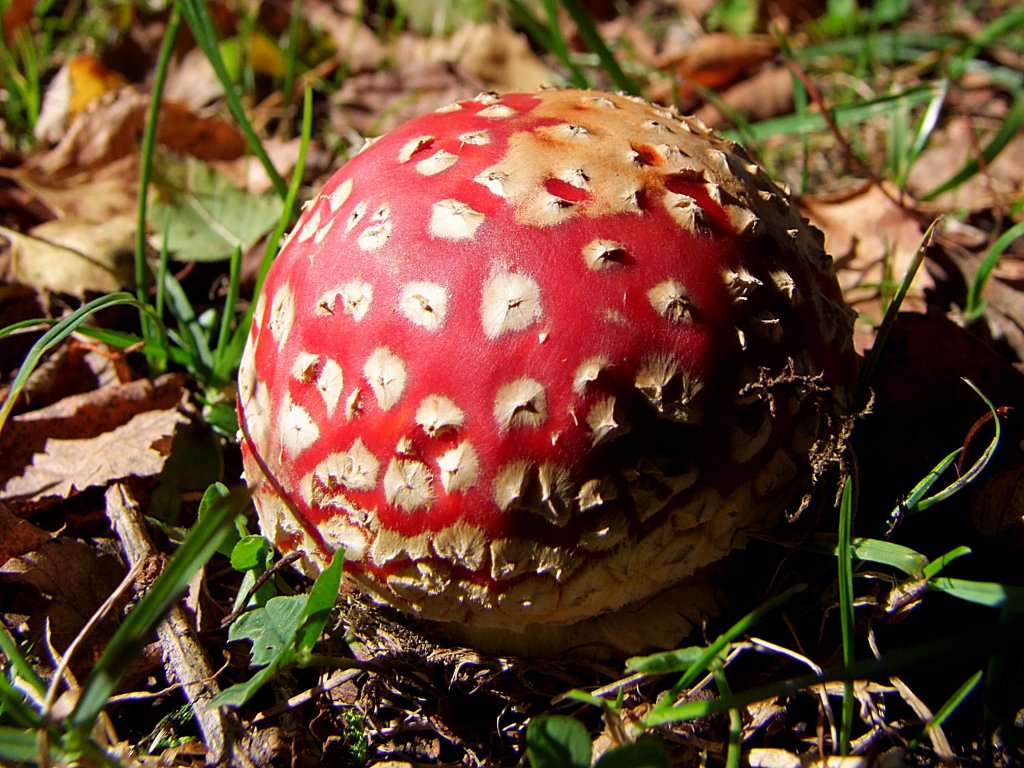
{"x": 74, "y": 367}
{"x": 765, "y": 94}
{"x": 358, "y": 48}
{"x": 89, "y": 440}
{"x": 372, "y": 103}
{"x": 1000, "y": 183}
{"x": 94, "y": 196}
{"x": 112, "y": 128}
{"x": 82, "y": 80}
{"x": 191, "y": 81}
{"x": 201, "y": 215}
{"x": 60, "y": 585}
{"x": 73, "y": 257}
{"x": 873, "y": 241}
{"x": 20, "y": 536}
{"x": 493, "y": 54}
{"x": 717, "y": 60}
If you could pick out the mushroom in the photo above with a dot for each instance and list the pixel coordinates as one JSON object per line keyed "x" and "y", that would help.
{"x": 534, "y": 361}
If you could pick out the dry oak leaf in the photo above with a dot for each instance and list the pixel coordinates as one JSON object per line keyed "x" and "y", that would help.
{"x": 73, "y": 256}
{"x": 872, "y": 240}
{"x": 111, "y": 128}
{"x": 59, "y": 587}
{"x": 90, "y": 440}
{"x": 19, "y": 536}
{"x": 1000, "y": 183}
{"x": 719, "y": 59}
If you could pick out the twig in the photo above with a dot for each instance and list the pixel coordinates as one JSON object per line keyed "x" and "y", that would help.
{"x": 226, "y": 739}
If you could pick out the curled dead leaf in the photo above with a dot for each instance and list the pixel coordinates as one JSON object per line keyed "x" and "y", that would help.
{"x": 89, "y": 440}
{"x": 73, "y": 256}
{"x": 873, "y": 241}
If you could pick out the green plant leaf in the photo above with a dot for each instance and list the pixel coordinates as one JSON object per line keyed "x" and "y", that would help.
{"x": 646, "y": 753}
{"x": 322, "y": 599}
{"x": 203, "y": 215}
{"x": 981, "y": 592}
{"x": 239, "y": 693}
{"x": 271, "y": 629}
{"x": 251, "y": 553}
{"x": 557, "y": 741}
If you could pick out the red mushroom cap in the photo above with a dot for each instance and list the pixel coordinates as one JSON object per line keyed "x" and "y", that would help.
{"x": 537, "y": 358}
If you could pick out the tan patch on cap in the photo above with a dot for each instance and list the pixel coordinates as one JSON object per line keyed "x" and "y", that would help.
{"x": 520, "y": 403}
{"x": 460, "y": 468}
{"x": 408, "y": 484}
{"x": 454, "y": 220}
{"x": 355, "y": 469}
{"x": 425, "y": 304}
{"x": 386, "y": 374}
{"x": 510, "y": 302}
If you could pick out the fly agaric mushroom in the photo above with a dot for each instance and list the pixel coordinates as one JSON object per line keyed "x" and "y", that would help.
{"x": 534, "y": 361}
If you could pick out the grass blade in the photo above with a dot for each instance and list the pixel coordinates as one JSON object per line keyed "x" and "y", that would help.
{"x": 199, "y": 21}
{"x": 145, "y": 171}
{"x": 60, "y": 331}
{"x": 217, "y": 515}
{"x": 593, "y": 40}
{"x": 847, "y": 509}
{"x": 1010, "y": 128}
{"x": 975, "y": 305}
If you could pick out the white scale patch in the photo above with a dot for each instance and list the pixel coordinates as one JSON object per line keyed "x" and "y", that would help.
{"x": 413, "y": 146}
{"x": 497, "y": 111}
{"x": 425, "y": 304}
{"x": 438, "y": 414}
{"x": 356, "y": 298}
{"x": 520, "y": 403}
{"x": 321, "y": 234}
{"x": 355, "y": 469}
{"x": 282, "y": 315}
{"x": 454, "y": 220}
{"x": 476, "y": 138}
{"x": 377, "y": 231}
{"x": 341, "y": 193}
{"x": 670, "y": 300}
{"x": 685, "y": 210}
{"x": 460, "y": 468}
{"x": 494, "y": 180}
{"x": 355, "y": 216}
{"x": 297, "y": 429}
{"x": 386, "y": 374}
{"x": 408, "y": 484}
{"x": 440, "y": 161}
{"x": 511, "y": 302}
{"x": 305, "y": 367}
{"x": 330, "y": 382}
{"x": 603, "y": 254}
{"x": 310, "y": 227}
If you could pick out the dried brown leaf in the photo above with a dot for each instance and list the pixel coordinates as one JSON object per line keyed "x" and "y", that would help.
{"x": 765, "y": 94}
{"x": 19, "y": 535}
{"x": 73, "y": 256}
{"x": 873, "y": 241}
{"x": 89, "y": 440}
{"x": 61, "y": 584}
{"x": 998, "y": 184}
{"x": 111, "y": 129}
{"x": 717, "y": 60}
{"x": 496, "y": 56}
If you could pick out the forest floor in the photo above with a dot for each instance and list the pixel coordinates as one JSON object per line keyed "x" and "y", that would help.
{"x": 897, "y": 126}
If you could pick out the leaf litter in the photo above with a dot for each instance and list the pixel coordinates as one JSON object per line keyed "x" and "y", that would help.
{"x": 85, "y": 427}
